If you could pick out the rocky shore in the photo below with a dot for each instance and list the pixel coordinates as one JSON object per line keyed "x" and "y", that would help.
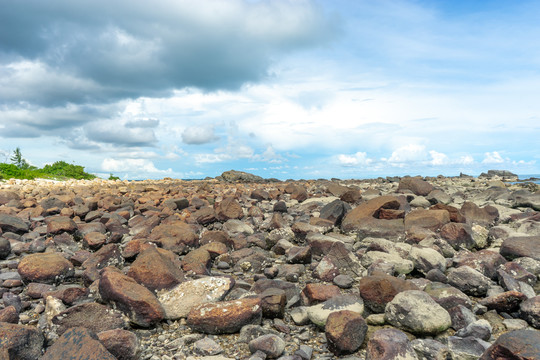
{"x": 243, "y": 268}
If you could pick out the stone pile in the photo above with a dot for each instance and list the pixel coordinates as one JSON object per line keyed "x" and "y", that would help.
{"x": 410, "y": 268}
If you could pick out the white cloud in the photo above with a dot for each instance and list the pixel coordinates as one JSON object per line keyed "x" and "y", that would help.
{"x": 269, "y": 155}
{"x": 197, "y": 135}
{"x": 466, "y": 160}
{"x": 132, "y": 166}
{"x": 360, "y": 158}
{"x": 408, "y": 153}
{"x": 438, "y": 158}
{"x": 493, "y": 158}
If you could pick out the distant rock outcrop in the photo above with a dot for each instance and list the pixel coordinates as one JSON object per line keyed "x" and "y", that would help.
{"x": 500, "y": 173}
{"x": 239, "y": 176}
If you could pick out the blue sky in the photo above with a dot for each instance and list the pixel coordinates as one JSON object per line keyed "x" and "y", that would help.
{"x": 284, "y": 89}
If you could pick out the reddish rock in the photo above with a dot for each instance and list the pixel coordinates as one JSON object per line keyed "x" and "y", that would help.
{"x": 389, "y": 344}
{"x": 391, "y": 214}
{"x": 485, "y": 261}
{"x": 177, "y": 236}
{"x": 458, "y": 235}
{"x": 476, "y": 215}
{"x": 364, "y": 219}
{"x": 336, "y": 189}
{"x": 215, "y": 249}
{"x": 92, "y": 316}
{"x": 215, "y": 236}
{"x": 345, "y": 331}
{"x": 69, "y": 295}
{"x": 259, "y": 194}
{"x": 315, "y": 293}
{"x": 351, "y": 196}
{"x": 508, "y": 301}
{"x": 228, "y": 209}
{"x": 9, "y": 315}
{"x": 78, "y": 343}
{"x": 94, "y": 240}
{"x": 226, "y": 316}
{"x": 518, "y": 272}
{"x": 299, "y": 255}
{"x": 326, "y": 270}
{"x": 299, "y": 193}
{"x": 379, "y": 290}
{"x": 416, "y": 185}
{"x": 108, "y": 255}
{"x": 197, "y": 261}
{"x": 205, "y": 215}
{"x": 36, "y": 290}
{"x": 273, "y": 301}
{"x": 136, "y": 301}
{"x": 122, "y": 344}
{"x": 455, "y": 214}
{"x": 58, "y": 224}
{"x": 20, "y": 341}
{"x": 521, "y": 246}
{"x": 515, "y": 345}
{"x": 45, "y": 267}
{"x": 429, "y": 219}
{"x": 156, "y": 269}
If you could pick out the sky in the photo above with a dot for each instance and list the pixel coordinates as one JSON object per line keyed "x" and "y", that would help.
{"x": 287, "y": 89}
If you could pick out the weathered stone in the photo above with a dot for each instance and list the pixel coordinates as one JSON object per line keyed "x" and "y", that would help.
{"x": 447, "y": 296}
{"x": 93, "y": 316}
{"x": 389, "y": 344}
{"x": 9, "y": 223}
{"x": 431, "y": 349}
{"x": 46, "y": 268}
{"x": 259, "y": 194}
{"x": 335, "y": 211}
{"x": 122, "y": 344}
{"x": 197, "y": 261}
{"x": 273, "y": 303}
{"x": 178, "y": 301}
{"x": 271, "y": 345}
{"x": 345, "y": 331}
{"x": 78, "y": 343}
{"x": 515, "y": 345}
{"x": 225, "y": 316}
{"x": 9, "y": 314}
{"x": 429, "y": 219}
{"x": 156, "y": 269}
{"x": 475, "y": 215}
{"x": 5, "y": 248}
{"x": 415, "y": 311}
{"x": 108, "y": 255}
{"x": 521, "y": 246}
{"x": 426, "y": 259}
{"x": 458, "y": 235}
{"x": 136, "y": 301}
{"x": 318, "y": 314}
{"x": 416, "y": 185}
{"x": 468, "y": 280}
{"x": 58, "y": 224}
{"x": 315, "y": 293}
{"x": 480, "y": 329}
{"x": 345, "y": 260}
{"x": 455, "y": 214}
{"x": 228, "y": 209}
{"x": 379, "y": 290}
{"x": 20, "y": 341}
{"x": 467, "y": 348}
{"x": 508, "y": 301}
{"x": 6, "y": 196}
{"x": 399, "y": 264}
{"x": 176, "y": 236}
{"x": 484, "y": 261}
{"x": 530, "y": 311}
{"x": 94, "y": 240}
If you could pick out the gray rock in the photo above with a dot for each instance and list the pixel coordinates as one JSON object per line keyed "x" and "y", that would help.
{"x": 426, "y": 259}
{"x": 390, "y": 344}
{"x": 468, "y": 348}
{"x": 468, "y": 280}
{"x": 272, "y": 345}
{"x": 415, "y": 311}
{"x": 318, "y": 314}
{"x": 480, "y": 329}
{"x": 5, "y": 248}
{"x": 429, "y": 349}
{"x": 206, "y": 347}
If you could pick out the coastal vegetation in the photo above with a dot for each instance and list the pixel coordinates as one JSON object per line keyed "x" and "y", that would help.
{"x": 20, "y": 168}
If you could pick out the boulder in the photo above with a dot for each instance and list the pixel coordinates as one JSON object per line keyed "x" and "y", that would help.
{"x": 345, "y": 331}
{"x": 78, "y": 343}
{"x": 45, "y": 268}
{"x": 20, "y": 341}
{"x": 156, "y": 269}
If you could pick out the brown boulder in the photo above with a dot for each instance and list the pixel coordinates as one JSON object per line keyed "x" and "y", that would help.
{"x": 389, "y": 344}
{"x": 156, "y": 269}
{"x": 176, "y": 236}
{"x": 20, "y": 341}
{"x": 58, "y": 224}
{"x": 515, "y": 345}
{"x": 345, "y": 331}
{"x": 416, "y": 185}
{"x": 92, "y": 316}
{"x": 197, "y": 261}
{"x": 458, "y": 235}
{"x": 7, "y": 196}
{"x": 78, "y": 343}
{"x": 228, "y": 209}
{"x": 136, "y": 301}
{"x": 45, "y": 268}
{"x": 476, "y": 215}
{"x": 108, "y": 255}
{"x": 455, "y": 214}
{"x": 94, "y": 240}
{"x": 273, "y": 301}
{"x": 9, "y": 315}
{"x": 508, "y": 301}
{"x": 379, "y": 290}
{"x": 315, "y": 293}
{"x": 225, "y": 316}
{"x": 428, "y": 219}
{"x": 485, "y": 261}
{"x": 122, "y": 344}
{"x": 520, "y": 246}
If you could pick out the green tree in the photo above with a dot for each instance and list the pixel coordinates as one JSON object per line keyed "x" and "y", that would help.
{"x": 18, "y": 160}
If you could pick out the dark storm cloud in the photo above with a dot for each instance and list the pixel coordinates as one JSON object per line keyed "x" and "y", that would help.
{"x": 101, "y": 50}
